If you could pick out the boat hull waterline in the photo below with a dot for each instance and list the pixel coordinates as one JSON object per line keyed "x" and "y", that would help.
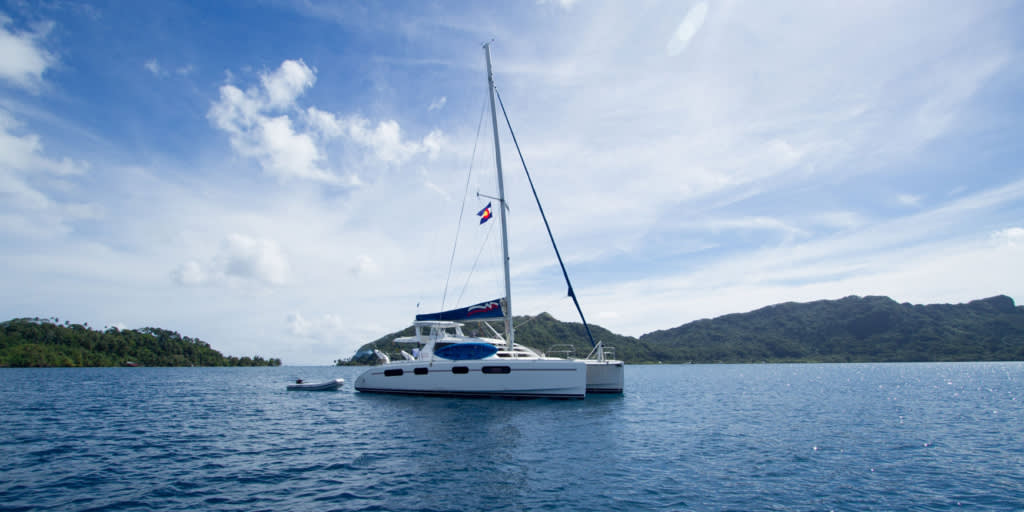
{"x": 605, "y": 376}
{"x": 544, "y": 378}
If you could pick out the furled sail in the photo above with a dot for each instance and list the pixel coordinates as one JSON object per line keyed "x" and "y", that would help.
{"x": 488, "y": 310}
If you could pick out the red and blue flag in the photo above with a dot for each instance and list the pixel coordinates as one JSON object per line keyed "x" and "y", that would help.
{"x": 485, "y": 214}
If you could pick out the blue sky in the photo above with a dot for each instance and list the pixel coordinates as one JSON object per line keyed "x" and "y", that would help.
{"x": 285, "y": 178}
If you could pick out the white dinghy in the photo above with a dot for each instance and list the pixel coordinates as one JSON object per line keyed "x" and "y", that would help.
{"x": 330, "y": 385}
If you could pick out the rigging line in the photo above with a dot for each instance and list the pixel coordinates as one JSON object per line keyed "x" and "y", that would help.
{"x": 462, "y": 211}
{"x": 544, "y": 310}
{"x": 542, "y": 216}
{"x": 477, "y": 260}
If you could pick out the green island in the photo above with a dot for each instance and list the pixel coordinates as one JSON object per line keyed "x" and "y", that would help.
{"x": 852, "y": 329}
{"x": 36, "y": 342}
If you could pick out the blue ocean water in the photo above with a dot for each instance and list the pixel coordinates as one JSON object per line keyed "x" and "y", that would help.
{"x": 687, "y": 437}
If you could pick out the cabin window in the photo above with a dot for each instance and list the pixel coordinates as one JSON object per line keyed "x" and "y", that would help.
{"x": 393, "y": 372}
{"x": 496, "y": 369}
{"x": 460, "y": 369}
{"x": 504, "y": 355}
{"x": 420, "y": 371}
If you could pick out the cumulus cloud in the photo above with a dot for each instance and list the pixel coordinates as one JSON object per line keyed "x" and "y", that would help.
{"x": 327, "y": 327}
{"x": 241, "y": 258}
{"x": 438, "y": 104}
{"x": 1009, "y": 237}
{"x": 190, "y": 273}
{"x": 26, "y": 152}
{"x": 287, "y": 83}
{"x": 272, "y": 139}
{"x": 24, "y": 59}
{"x": 266, "y": 123}
{"x": 153, "y": 66}
{"x": 29, "y": 182}
{"x": 688, "y": 28}
{"x": 287, "y": 153}
{"x": 384, "y": 139}
{"x": 364, "y": 265}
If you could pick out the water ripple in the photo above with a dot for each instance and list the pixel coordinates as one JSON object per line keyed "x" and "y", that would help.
{"x": 691, "y": 437}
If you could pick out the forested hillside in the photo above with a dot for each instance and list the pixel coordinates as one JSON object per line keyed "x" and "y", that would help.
{"x": 34, "y": 342}
{"x": 852, "y": 329}
{"x": 542, "y": 332}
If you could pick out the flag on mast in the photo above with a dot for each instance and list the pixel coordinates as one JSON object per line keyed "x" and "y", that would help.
{"x": 485, "y": 214}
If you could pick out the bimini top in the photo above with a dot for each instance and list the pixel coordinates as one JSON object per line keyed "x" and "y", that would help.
{"x": 488, "y": 310}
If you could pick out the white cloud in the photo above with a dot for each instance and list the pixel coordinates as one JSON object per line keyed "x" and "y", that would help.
{"x": 939, "y": 109}
{"x": 298, "y": 325}
{"x": 564, "y": 4}
{"x": 325, "y": 123}
{"x": 384, "y": 140}
{"x": 838, "y": 219}
{"x": 433, "y": 142}
{"x": 190, "y": 273}
{"x": 241, "y": 258}
{"x": 287, "y": 83}
{"x": 437, "y": 104}
{"x": 153, "y": 66}
{"x": 364, "y": 265}
{"x": 281, "y": 150}
{"x": 752, "y": 223}
{"x": 24, "y": 59}
{"x": 254, "y": 258}
{"x": 688, "y": 28}
{"x": 908, "y": 200}
{"x": 261, "y": 125}
{"x": 287, "y": 153}
{"x": 30, "y": 183}
{"x": 327, "y": 327}
{"x": 1009, "y": 237}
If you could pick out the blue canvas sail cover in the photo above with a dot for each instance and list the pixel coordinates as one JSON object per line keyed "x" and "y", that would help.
{"x": 478, "y": 312}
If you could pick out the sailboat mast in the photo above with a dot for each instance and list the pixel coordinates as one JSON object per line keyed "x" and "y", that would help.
{"x": 509, "y": 333}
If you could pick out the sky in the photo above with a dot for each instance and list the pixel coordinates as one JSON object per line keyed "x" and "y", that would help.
{"x": 293, "y": 179}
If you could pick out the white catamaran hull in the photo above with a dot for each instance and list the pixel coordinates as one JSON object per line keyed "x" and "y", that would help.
{"x": 551, "y": 378}
{"x": 605, "y": 376}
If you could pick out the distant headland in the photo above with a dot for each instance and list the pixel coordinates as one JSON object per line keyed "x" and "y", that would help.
{"x": 45, "y": 342}
{"x": 851, "y": 329}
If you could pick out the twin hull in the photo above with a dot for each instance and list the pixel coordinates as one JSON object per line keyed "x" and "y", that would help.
{"x": 604, "y": 376}
{"x": 552, "y": 378}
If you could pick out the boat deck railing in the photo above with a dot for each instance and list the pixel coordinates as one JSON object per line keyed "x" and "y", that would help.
{"x": 601, "y": 352}
{"x": 563, "y": 351}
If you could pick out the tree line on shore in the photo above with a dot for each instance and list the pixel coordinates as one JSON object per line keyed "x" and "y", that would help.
{"x": 45, "y": 342}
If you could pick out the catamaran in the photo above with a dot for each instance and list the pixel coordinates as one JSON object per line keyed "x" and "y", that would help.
{"x": 447, "y": 362}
